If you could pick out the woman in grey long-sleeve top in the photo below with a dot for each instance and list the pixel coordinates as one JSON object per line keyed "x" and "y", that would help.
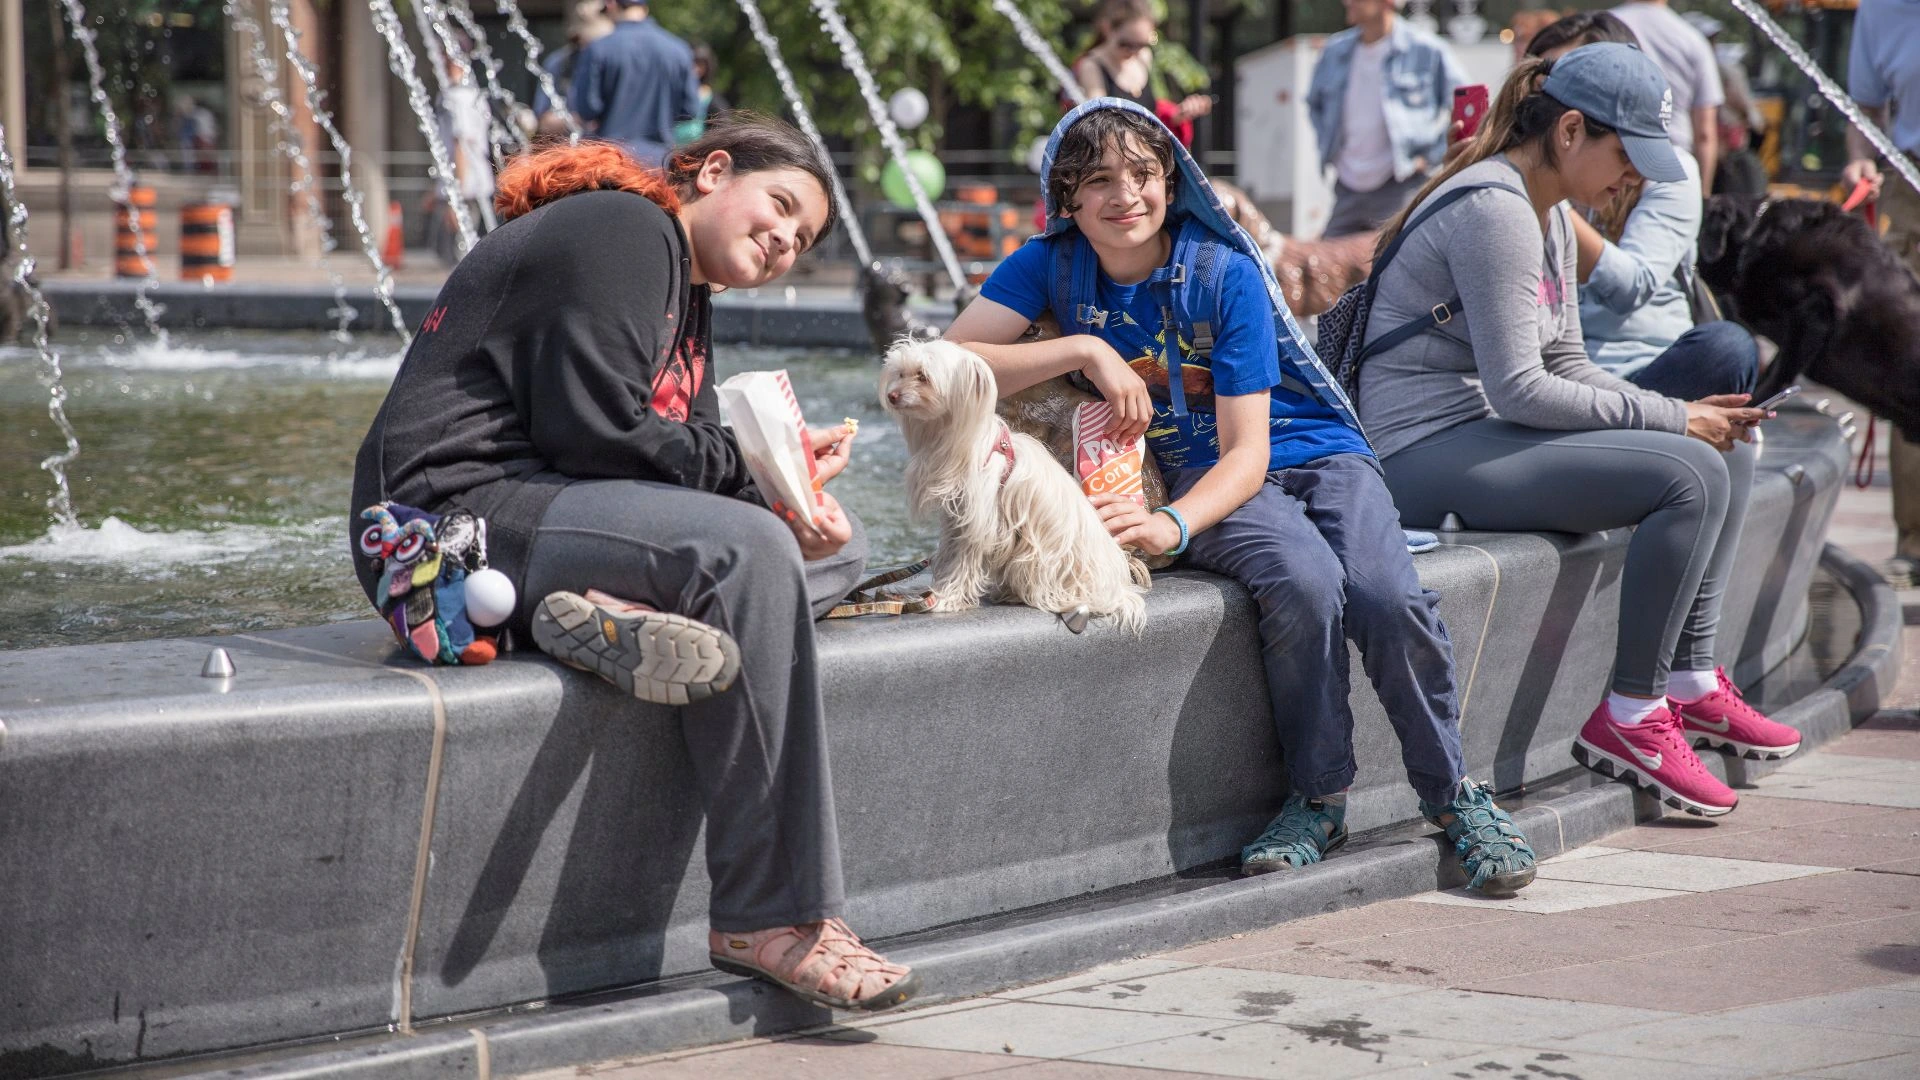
{"x": 1497, "y": 414}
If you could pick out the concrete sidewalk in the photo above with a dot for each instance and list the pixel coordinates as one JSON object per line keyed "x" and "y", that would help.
{"x": 1781, "y": 940}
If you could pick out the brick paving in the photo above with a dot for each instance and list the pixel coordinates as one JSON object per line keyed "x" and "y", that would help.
{"x": 1780, "y": 941}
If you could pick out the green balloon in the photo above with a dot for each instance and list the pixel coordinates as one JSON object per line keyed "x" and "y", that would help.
{"x": 926, "y": 168}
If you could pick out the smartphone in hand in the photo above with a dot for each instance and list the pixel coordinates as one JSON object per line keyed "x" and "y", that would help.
{"x": 1469, "y": 108}
{"x": 1769, "y": 404}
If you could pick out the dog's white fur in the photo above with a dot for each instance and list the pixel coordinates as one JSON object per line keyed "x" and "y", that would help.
{"x": 1036, "y": 539}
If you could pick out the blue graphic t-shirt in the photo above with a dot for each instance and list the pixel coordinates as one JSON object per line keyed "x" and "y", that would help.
{"x": 1245, "y": 360}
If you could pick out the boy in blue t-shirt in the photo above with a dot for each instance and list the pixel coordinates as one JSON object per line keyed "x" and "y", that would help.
{"x": 1273, "y": 483}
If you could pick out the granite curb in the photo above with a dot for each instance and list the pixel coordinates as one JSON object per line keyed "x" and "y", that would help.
{"x": 806, "y": 322}
{"x": 967, "y": 961}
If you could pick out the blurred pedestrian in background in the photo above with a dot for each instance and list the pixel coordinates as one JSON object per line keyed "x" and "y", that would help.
{"x": 633, "y": 85}
{"x": 587, "y": 22}
{"x": 1738, "y": 123}
{"x": 1883, "y": 75}
{"x": 710, "y": 105}
{"x": 1693, "y": 74}
{"x": 1381, "y": 100}
{"x": 1120, "y": 64}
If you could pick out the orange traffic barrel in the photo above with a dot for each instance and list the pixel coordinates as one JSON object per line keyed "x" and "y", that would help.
{"x": 972, "y": 230}
{"x": 127, "y": 258}
{"x": 206, "y": 242}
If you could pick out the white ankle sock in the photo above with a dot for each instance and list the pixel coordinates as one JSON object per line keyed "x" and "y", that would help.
{"x": 1691, "y": 685}
{"x": 1631, "y": 710}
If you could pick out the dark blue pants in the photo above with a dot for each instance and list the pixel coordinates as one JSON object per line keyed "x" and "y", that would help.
{"x": 1712, "y": 358}
{"x": 1320, "y": 548}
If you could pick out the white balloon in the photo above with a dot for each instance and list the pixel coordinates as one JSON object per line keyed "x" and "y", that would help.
{"x": 1037, "y": 153}
{"x": 908, "y": 107}
{"x": 490, "y": 597}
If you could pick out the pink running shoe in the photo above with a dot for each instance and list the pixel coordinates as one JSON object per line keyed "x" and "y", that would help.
{"x": 1724, "y": 721}
{"x": 1653, "y": 755}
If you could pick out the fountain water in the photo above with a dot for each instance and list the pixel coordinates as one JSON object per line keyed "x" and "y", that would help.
{"x": 517, "y": 23}
{"x": 122, "y": 173}
{"x": 1037, "y": 45}
{"x": 771, "y": 46}
{"x": 856, "y": 63}
{"x": 436, "y": 30}
{"x": 401, "y": 62}
{"x": 305, "y": 185}
{"x": 281, "y": 14}
{"x": 61, "y": 501}
{"x": 1830, "y": 90}
{"x": 489, "y": 67}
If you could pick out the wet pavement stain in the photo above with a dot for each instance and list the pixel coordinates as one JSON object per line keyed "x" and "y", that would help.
{"x": 1349, "y": 1033}
{"x": 1263, "y": 1003}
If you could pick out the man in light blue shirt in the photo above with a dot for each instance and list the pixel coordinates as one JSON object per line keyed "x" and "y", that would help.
{"x": 1381, "y": 100}
{"x": 633, "y": 85}
{"x": 1883, "y": 75}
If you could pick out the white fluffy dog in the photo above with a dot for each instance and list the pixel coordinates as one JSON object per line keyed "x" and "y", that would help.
{"x": 1014, "y": 524}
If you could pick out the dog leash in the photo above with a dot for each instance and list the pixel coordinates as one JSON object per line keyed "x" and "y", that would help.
{"x": 1864, "y": 465}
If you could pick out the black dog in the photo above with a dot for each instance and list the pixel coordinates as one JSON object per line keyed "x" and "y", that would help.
{"x": 1818, "y": 282}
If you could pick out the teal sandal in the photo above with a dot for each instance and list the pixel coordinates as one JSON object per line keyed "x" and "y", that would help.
{"x": 1306, "y": 830}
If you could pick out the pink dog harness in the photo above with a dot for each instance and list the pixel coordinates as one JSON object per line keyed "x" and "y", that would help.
{"x": 1004, "y": 446}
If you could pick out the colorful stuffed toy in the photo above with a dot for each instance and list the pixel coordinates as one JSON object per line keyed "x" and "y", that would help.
{"x": 436, "y": 591}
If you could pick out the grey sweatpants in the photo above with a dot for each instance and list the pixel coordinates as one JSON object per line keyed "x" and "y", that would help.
{"x": 1688, "y": 499}
{"x": 759, "y": 750}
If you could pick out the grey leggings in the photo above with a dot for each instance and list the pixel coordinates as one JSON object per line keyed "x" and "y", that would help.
{"x": 759, "y": 751}
{"x": 1687, "y": 499}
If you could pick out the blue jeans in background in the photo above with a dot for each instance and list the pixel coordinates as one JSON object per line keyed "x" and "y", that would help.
{"x": 1712, "y": 358}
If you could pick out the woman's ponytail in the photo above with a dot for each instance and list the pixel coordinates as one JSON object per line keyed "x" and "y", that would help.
{"x": 1499, "y": 131}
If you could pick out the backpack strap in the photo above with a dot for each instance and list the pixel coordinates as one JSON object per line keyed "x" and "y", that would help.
{"x": 1195, "y": 301}
{"x": 1440, "y": 314}
{"x": 1075, "y": 286}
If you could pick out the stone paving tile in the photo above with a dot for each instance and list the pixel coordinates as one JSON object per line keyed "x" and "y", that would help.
{"x": 1881, "y": 1009}
{"x": 1811, "y": 846}
{"x": 1909, "y": 867}
{"x": 1027, "y": 1029}
{"x": 1088, "y": 1070}
{"x": 1757, "y": 812}
{"x": 1750, "y": 971}
{"x": 1542, "y": 1063}
{"x": 1714, "y": 1040}
{"x": 1830, "y": 764}
{"x": 1449, "y": 1014}
{"x": 1682, "y": 873}
{"x": 1373, "y": 920}
{"x": 1236, "y": 994}
{"x": 1895, "y": 823}
{"x": 1547, "y": 896}
{"x": 1882, "y": 744}
{"x": 800, "y": 1059}
{"x": 1733, "y": 909}
{"x": 1904, "y": 793}
{"x": 1467, "y": 954}
{"x": 1897, "y": 1067}
{"x": 1328, "y": 1051}
{"x": 1869, "y": 893}
{"x": 1123, "y": 971}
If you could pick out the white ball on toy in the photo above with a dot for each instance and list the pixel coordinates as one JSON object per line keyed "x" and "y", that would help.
{"x": 908, "y": 107}
{"x": 490, "y": 597}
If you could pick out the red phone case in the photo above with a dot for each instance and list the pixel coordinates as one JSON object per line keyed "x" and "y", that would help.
{"x": 1469, "y": 107}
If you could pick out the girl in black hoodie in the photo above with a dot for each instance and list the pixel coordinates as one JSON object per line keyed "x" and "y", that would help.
{"x": 561, "y": 390}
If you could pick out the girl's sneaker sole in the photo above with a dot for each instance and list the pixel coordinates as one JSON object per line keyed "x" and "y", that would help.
{"x": 1740, "y": 749}
{"x": 655, "y": 656}
{"x": 1608, "y": 765}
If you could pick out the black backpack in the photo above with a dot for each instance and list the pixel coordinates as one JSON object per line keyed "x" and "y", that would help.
{"x": 1342, "y": 343}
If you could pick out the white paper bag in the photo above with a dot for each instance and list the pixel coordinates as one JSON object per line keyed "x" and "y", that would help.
{"x": 772, "y": 435}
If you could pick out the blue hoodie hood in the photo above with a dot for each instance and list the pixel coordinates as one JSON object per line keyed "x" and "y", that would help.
{"x": 1195, "y": 198}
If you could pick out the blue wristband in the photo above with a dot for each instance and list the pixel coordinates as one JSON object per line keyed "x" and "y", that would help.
{"x": 1180, "y": 520}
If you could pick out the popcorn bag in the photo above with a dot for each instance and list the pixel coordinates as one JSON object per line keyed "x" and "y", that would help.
{"x": 1104, "y": 464}
{"x": 766, "y": 421}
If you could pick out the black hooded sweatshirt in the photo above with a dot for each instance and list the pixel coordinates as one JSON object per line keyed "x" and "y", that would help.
{"x": 570, "y": 344}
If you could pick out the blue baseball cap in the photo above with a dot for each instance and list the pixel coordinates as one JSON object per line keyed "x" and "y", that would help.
{"x": 1621, "y": 87}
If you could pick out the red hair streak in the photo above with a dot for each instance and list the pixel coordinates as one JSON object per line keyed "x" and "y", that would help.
{"x": 533, "y": 180}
